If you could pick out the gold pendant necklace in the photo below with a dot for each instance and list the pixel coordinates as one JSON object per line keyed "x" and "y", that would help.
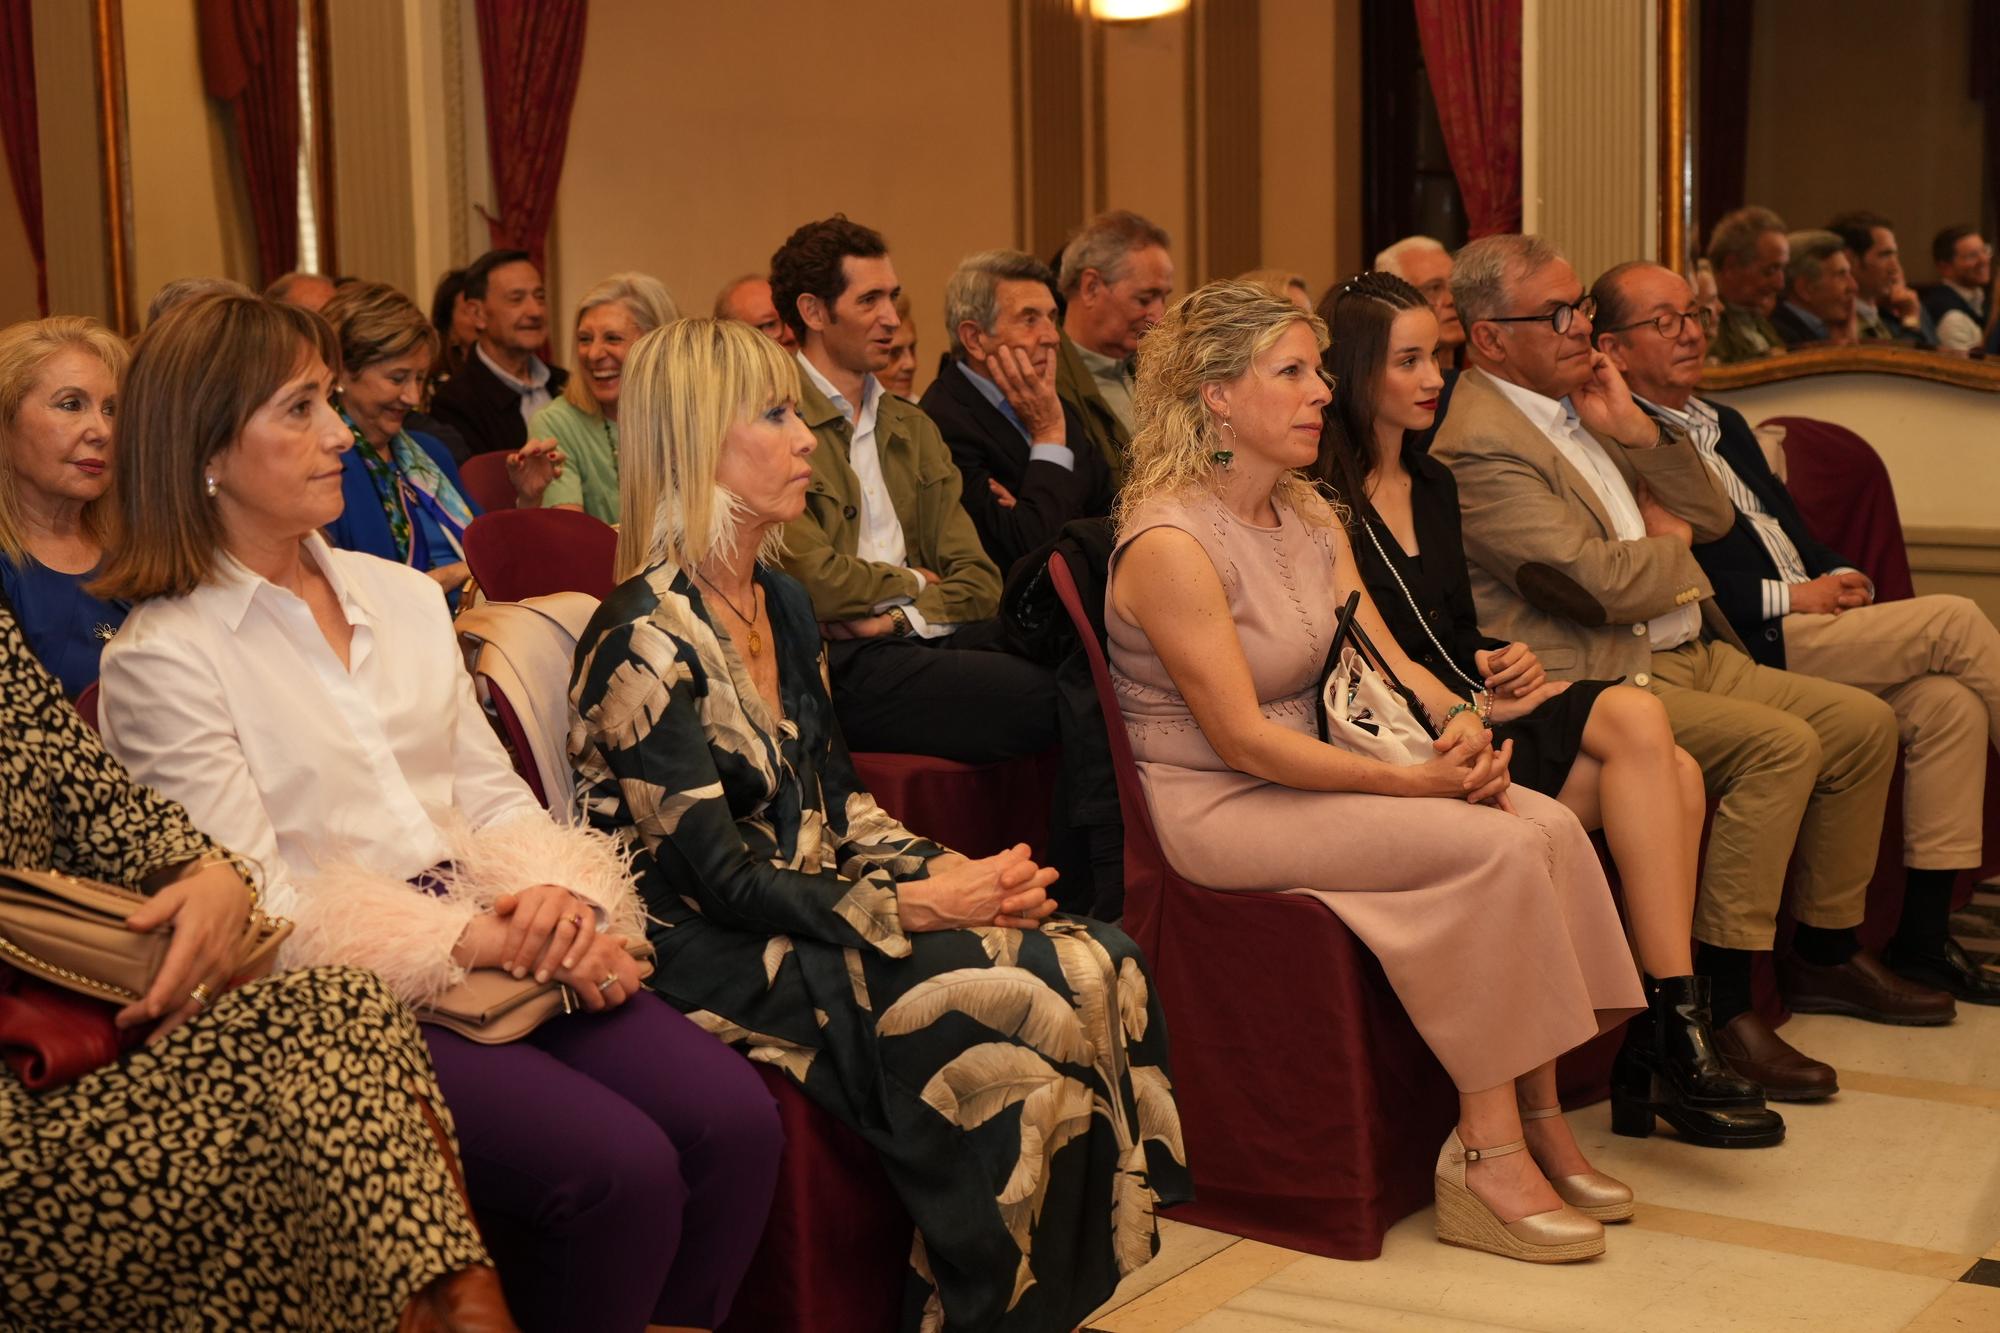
{"x": 751, "y": 638}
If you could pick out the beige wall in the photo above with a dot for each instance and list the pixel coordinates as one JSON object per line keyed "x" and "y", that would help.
{"x": 17, "y": 262}
{"x": 189, "y": 218}
{"x": 691, "y": 157}
{"x": 1859, "y": 104}
{"x": 1311, "y": 54}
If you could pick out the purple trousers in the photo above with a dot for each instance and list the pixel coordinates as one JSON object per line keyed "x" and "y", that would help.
{"x": 620, "y": 1165}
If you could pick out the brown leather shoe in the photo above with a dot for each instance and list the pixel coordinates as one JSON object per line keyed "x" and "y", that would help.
{"x": 468, "y": 1301}
{"x": 1766, "y": 1059}
{"x": 1862, "y": 988}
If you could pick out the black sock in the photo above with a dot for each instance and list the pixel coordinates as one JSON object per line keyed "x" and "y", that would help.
{"x": 1728, "y": 973}
{"x": 1825, "y": 948}
{"x": 1926, "y": 923}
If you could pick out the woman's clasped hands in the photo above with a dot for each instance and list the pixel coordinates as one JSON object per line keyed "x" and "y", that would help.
{"x": 1467, "y": 765}
{"x": 1007, "y": 890}
{"x": 548, "y": 932}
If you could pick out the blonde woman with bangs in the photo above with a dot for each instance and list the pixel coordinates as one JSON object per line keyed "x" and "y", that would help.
{"x": 610, "y": 320}
{"x": 58, "y": 395}
{"x": 1484, "y": 903}
{"x": 799, "y": 921}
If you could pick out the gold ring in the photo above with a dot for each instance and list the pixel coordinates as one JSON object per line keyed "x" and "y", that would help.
{"x": 200, "y": 995}
{"x": 575, "y": 920}
{"x": 610, "y": 980}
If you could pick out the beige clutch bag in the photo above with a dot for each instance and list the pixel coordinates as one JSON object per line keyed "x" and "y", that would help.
{"x": 492, "y": 1008}
{"x": 71, "y": 932}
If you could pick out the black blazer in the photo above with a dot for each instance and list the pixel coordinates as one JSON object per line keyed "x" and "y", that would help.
{"x": 1738, "y": 564}
{"x": 1794, "y": 330}
{"x": 985, "y": 444}
{"x": 484, "y": 409}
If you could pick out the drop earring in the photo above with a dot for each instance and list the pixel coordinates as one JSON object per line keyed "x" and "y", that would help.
{"x": 208, "y": 485}
{"x": 1226, "y": 456}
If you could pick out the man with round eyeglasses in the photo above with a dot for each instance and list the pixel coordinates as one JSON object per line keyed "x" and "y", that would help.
{"x": 1580, "y": 511}
{"x": 1797, "y": 605}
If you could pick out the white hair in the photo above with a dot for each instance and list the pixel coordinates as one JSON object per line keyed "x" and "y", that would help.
{"x": 1391, "y": 259}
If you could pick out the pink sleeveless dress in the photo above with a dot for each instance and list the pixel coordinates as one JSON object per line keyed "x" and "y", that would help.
{"x": 1497, "y": 930}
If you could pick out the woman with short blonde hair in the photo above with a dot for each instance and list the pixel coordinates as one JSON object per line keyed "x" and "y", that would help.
{"x": 58, "y": 395}
{"x": 610, "y": 320}
{"x": 797, "y": 919}
{"x": 1485, "y": 903}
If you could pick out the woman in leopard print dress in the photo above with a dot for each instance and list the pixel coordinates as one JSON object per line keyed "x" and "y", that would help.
{"x": 278, "y": 1160}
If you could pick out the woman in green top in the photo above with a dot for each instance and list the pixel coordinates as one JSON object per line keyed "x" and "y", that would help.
{"x": 584, "y": 421}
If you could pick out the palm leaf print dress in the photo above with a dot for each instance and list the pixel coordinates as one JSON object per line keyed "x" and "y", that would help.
{"x": 1014, "y": 1082}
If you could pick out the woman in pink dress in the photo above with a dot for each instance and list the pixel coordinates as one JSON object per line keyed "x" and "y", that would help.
{"x": 1485, "y": 903}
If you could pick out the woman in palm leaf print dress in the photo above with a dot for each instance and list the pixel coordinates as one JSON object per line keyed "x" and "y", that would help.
{"x": 1009, "y": 1065}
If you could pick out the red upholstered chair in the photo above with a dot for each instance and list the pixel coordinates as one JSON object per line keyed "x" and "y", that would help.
{"x": 486, "y": 481}
{"x": 520, "y": 553}
{"x": 86, "y": 704}
{"x": 977, "y": 809}
{"x": 1311, "y": 1108}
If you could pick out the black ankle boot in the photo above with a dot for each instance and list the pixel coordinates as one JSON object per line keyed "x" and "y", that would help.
{"x": 1668, "y": 1068}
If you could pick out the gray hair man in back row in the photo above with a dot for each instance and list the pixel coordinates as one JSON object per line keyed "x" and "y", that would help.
{"x": 1117, "y": 273}
{"x": 1025, "y": 457}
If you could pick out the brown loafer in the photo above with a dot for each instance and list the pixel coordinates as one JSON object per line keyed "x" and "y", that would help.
{"x": 1862, "y": 988}
{"x": 1766, "y": 1059}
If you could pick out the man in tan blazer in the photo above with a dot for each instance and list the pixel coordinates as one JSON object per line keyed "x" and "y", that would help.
{"x": 1579, "y": 514}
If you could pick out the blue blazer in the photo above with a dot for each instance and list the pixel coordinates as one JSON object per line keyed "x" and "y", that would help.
{"x": 362, "y": 526}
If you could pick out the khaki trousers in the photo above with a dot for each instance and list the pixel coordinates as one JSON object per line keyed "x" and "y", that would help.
{"x": 1791, "y": 759}
{"x": 1936, "y": 662}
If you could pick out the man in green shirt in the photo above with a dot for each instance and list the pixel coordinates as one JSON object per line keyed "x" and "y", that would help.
{"x": 1116, "y": 276}
{"x": 1748, "y": 253}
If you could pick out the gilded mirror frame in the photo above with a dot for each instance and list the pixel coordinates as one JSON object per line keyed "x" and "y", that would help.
{"x": 1677, "y": 150}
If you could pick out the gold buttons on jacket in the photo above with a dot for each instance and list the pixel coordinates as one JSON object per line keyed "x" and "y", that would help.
{"x": 1642, "y": 680}
{"x": 1639, "y": 629}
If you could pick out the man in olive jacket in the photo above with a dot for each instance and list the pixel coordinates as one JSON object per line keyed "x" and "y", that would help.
{"x": 904, "y": 593}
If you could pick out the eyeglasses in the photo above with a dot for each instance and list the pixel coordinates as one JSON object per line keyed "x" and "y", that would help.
{"x": 1669, "y": 325}
{"x": 1558, "y": 319}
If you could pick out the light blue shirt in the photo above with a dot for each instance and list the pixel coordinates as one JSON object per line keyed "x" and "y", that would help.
{"x": 1060, "y": 454}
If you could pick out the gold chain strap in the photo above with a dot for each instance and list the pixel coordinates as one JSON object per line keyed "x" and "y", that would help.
{"x": 77, "y": 979}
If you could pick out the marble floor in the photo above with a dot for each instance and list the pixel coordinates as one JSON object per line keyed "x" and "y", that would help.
{"x": 1880, "y": 1212}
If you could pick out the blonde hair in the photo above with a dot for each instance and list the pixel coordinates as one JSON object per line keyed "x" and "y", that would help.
{"x": 687, "y": 384}
{"x": 198, "y": 375}
{"x": 375, "y": 322}
{"x": 24, "y": 349}
{"x": 644, "y": 297}
{"x": 1211, "y": 336}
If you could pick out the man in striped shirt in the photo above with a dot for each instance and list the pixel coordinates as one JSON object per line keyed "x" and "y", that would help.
{"x": 1935, "y": 660}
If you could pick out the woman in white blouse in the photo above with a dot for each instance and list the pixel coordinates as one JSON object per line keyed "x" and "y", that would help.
{"x": 309, "y": 707}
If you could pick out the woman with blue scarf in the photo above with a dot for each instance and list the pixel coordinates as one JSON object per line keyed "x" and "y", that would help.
{"x": 404, "y": 498}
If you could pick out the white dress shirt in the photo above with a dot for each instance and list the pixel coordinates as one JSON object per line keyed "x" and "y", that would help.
{"x": 1558, "y": 421}
{"x": 534, "y": 390}
{"x": 1958, "y": 331}
{"x": 881, "y": 540}
{"x": 333, "y": 781}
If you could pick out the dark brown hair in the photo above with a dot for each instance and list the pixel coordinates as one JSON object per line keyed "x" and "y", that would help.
{"x": 375, "y": 322}
{"x": 197, "y": 376}
{"x": 809, "y": 264}
{"x": 1359, "y": 314}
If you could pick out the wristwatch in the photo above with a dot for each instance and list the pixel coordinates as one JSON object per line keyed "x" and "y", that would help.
{"x": 899, "y": 623}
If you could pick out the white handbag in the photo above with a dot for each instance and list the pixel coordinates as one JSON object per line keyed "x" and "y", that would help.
{"x": 1363, "y": 708}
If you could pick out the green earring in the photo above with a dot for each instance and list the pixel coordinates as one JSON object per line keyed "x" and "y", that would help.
{"x": 1226, "y": 456}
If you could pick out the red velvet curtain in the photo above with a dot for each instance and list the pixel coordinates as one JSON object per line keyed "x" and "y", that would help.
{"x": 1472, "y": 50}
{"x": 530, "y": 56}
{"x": 20, "y": 130}
{"x": 250, "y": 59}
{"x": 1722, "y": 128}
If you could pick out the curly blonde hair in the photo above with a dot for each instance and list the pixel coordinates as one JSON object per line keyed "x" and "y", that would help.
{"x": 1211, "y": 336}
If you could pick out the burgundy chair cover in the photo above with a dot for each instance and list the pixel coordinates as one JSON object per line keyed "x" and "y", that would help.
{"x": 520, "y": 553}
{"x": 837, "y": 1246}
{"x": 977, "y": 809}
{"x": 486, "y": 481}
{"x": 86, "y": 705}
{"x": 515, "y": 737}
{"x": 1846, "y": 498}
{"x": 1311, "y": 1108}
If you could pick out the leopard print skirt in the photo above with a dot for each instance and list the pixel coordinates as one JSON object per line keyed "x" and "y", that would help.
{"x": 266, "y": 1166}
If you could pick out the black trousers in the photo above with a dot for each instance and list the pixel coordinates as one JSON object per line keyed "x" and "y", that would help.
{"x": 963, "y": 697}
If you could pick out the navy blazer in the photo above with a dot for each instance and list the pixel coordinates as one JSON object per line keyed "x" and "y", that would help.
{"x": 362, "y": 525}
{"x": 985, "y": 444}
{"x": 486, "y": 410}
{"x": 1738, "y": 564}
